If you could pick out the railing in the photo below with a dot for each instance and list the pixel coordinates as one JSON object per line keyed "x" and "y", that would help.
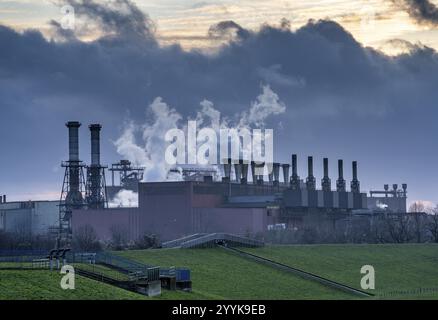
{"x": 178, "y": 242}
{"x": 221, "y": 238}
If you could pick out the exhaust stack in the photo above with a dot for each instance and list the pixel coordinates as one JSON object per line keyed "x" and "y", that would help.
{"x": 74, "y": 166}
{"x": 310, "y": 181}
{"x": 238, "y": 172}
{"x": 341, "y": 184}
{"x": 355, "y": 184}
{"x": 295, "y": 179}
{"x": 96, "y": 184}
{"x": 326, "y": 183}
{"x": 227, "y": 171}
{"x": 276, "y": 170}
{"x": 244, "y": 166}
{"x": 286, "y": 168}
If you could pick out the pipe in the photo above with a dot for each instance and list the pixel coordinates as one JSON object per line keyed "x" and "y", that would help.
{"x": 95, "y": 144}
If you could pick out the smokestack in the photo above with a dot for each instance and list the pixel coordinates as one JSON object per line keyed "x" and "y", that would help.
{"x": 310, "y": 182}
{"x": 355, "y": 184}
{"x": 254, "y": 178}
{"x": 276, "y": 171}
{"x": 73, "y": 140}
{"x": 238, "y": 171}
{"x": 326, "y": 182}
{"x": 259, "y": 172}
{"x": 405, "y": 188}
{"x": 4, "y": 198}
{"x": 227, "y": 171}
{"x": 286, "y": 168}
{"x": 95, "y": 144}
{"x": 244, "y": 166}
{"x": 295, "y": 179}
{"x": 340, "y": 184}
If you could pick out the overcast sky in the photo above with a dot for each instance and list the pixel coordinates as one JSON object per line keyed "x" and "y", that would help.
{"x": 362, "y": 84}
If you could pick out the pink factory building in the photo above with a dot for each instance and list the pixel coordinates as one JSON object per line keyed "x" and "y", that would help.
{"x": 175, "y": 209}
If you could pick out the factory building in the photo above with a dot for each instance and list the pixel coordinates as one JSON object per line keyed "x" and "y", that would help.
{"x": 245, "y": 201}
{"x": 234, "y": 205}
{"x": 29, "y": 217}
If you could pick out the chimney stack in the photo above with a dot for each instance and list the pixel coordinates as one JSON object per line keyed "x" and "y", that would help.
{"x": 259, "y": 172}
{"x": 95, "y": 144}
{"x": 270, "y": 167}
{"x": 355, "y": 184}
{"x": 276, "y": 170}
{"x": 326, "y": 182}
{"x": 227, "y": 171}
{"x": 73, "y": 140}
{"x": 295, "y": 179}
{"x": 253, "y": 174}
{"x": 238, "y": 172}
{"x": 310, "y": 182}
{"x": 286, "y": 168}
{"x": 244, "y": 166}
{"x": 341, "y": 184}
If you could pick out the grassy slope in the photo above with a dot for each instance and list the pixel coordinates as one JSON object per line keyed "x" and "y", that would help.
{"x": 218, "y": 274}
{"x": 45, "y": 285}
{"x": 398, "y": 267}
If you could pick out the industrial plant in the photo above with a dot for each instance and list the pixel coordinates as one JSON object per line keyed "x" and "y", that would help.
{"x": 241, "y": 201}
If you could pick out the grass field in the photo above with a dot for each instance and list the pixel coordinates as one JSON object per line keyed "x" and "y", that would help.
{"x": 401, "y": 271}
{"x": 402, "y": 268}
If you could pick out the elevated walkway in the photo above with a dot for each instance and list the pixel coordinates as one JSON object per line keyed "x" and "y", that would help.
{"x": 212, "y": 240}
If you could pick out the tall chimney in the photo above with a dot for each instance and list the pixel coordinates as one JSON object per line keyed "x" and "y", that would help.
{"x": 355, "y": 184}
{"x": 276, "y": 170}
{"x": 311, "y": 181}
{"x": 238, "y": 172}
{"x": 286, "y": 168}
{"x": 73, "y": 140}
{"x": 244, "y": 166}
{"x": 295, "y": 179}
{"x": 95, "y": 144}
{"x": 340, "y": 184}
{"x": 326, "y": 183}
{"x": 4, "y": 198}
{"x": 253, "y": 174}
{"x": 259, "y": 172}
{"x": 227, "y": 170}
{"x": 270, "y": 167}
{"x": 74, "y": 197}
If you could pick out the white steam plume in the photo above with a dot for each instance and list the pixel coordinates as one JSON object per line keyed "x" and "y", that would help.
{"x": 150, "y": 154}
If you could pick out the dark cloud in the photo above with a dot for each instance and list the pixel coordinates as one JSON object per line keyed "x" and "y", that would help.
{"x": 342, "y": 98}
{"x": 423, "y": 11}
{"x": 227, "y": 28}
